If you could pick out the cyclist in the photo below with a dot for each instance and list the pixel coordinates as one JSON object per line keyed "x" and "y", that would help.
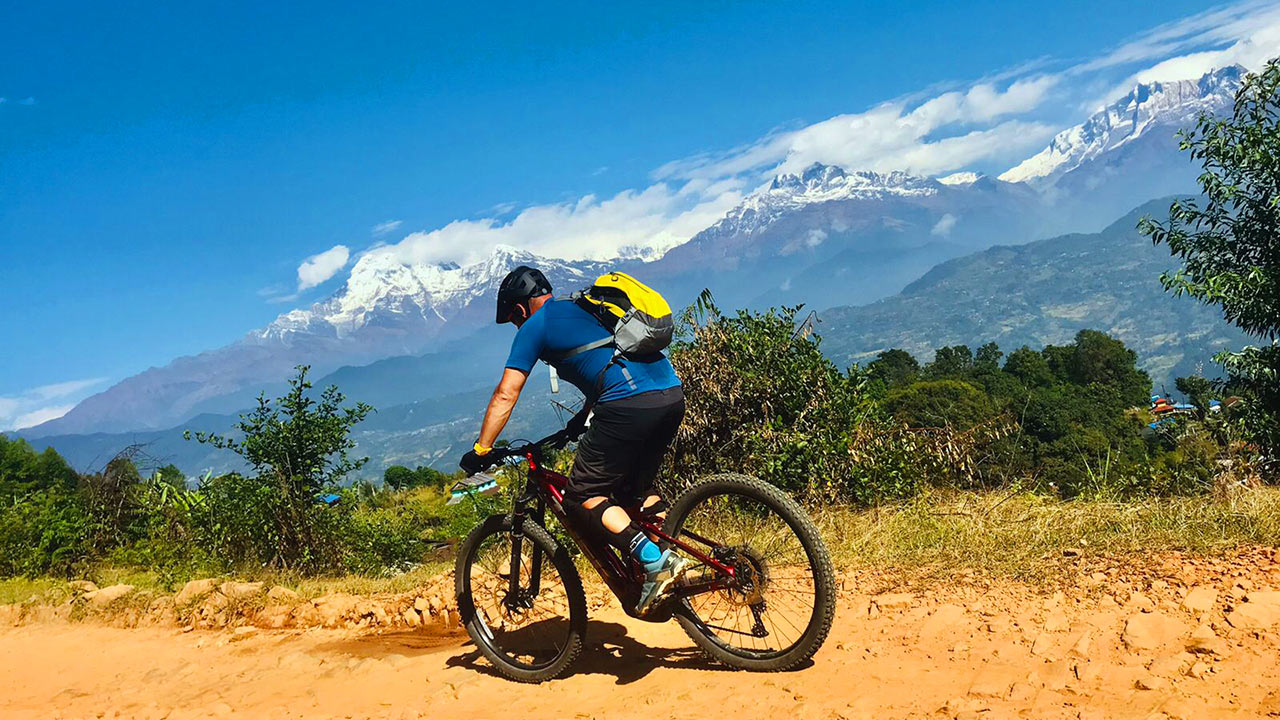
{"x": 634, "y": 413}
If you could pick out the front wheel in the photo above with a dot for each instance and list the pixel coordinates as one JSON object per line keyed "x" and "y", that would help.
{"x": 521, "y": 599}
{"x": 777, "y": 610}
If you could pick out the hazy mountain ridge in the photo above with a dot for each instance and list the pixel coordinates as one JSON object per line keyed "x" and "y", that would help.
{"x": 1042, "y": 293}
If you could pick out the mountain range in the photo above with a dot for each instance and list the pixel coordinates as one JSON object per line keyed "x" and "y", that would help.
{"x": 409, "y": 335}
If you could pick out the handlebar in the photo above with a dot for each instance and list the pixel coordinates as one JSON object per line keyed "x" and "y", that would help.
{"x": 554, "y": 441}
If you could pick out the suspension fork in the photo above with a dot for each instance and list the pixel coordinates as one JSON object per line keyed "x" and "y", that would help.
{"x": 519, "y": 514}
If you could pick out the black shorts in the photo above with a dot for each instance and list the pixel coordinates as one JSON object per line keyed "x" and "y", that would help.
{"x": 621, "y": 453}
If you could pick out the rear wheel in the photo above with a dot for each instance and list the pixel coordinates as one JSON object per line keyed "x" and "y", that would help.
{"x": 532, "y": 629}
{"x": 778, "y": 609}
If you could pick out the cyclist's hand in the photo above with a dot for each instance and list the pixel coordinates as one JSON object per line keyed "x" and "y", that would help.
{"x": 474, "y": 462}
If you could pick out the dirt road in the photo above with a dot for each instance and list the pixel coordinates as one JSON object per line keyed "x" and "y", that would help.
{"x": 1180, "y": 639}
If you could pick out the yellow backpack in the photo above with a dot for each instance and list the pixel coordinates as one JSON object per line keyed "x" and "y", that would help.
{"x": 637, "y": 316}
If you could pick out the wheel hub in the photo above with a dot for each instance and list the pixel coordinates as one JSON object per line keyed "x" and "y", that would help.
{"x": 751, "y": 576}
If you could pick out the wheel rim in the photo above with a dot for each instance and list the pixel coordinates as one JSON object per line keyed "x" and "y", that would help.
{"x": 529, "y": 630}
{"x": 773, "y": 602}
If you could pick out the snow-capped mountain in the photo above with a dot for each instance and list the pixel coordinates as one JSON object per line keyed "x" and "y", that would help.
{"x": 387, "y": 296}
{"x": 386, "y": 308}
{"x": 824, "y": 236}
{"x": 818, "y": 184}
{"x": 1148, "y": 110}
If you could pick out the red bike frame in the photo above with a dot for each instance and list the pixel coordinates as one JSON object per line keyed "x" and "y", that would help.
{"x": 623, "y": 576}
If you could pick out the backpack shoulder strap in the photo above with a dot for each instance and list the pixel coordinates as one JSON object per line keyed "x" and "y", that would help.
{"x": 566, "y": 354}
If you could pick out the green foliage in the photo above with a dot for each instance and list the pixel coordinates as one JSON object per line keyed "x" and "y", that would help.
{"x": 23, "y": 470}
{"x": 953, "y": 361}
{"x": 763, "y": 399}
{"x": 297, "y": 447}
{"x": 45, "y": 533}
{"x": 893, "y": 367}
{"x": 1229, "y": 241}
{"x": 399, "y": 477}
{"x": 941, "y": 404}
{"x": 1080, "y": 419}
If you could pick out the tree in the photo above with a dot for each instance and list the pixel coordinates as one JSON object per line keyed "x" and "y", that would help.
{"x": 398, "y": 477}
{"x": 950, "y": 362}
{"x": 297, "y": 447}
{"x": 1229, "y": 240}
{"x": 23, "y": 470}
{"x": 171, "y": 475}
{"x": 1198, "y": 391}
{"x": 1099, "y": 358}
{"x": 988, "y": 358}
{"x": 941, "y": 404}
{"x": 894, "y": 367}
{"x": 1029, "y": 366}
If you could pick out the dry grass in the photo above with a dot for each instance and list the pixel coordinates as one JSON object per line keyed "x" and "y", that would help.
{"x": 1018, "y": 535}
{"x": 1024, "y": 535}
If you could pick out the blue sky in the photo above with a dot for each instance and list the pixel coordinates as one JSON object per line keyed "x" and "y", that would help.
{"x": 168, "y": 169}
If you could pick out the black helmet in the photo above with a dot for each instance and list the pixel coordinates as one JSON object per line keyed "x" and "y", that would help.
{"x": 518, "y": 286}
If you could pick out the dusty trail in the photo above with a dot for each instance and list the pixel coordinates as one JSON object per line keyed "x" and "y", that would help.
{"x": 1184, "y": 639}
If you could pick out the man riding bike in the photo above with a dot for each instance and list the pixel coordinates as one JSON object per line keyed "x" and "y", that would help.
{"x": 635, "y": 406}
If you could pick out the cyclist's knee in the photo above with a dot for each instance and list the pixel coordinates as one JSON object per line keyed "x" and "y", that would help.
{"x": 655, "y": 505}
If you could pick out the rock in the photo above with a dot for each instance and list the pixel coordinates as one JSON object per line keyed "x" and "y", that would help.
{"x": 1259, "y": 611}
{"x": 333, "y": 610}
{"x": 991, "y": 684}
{"x": 243, "y": 633}
{"x": 108, "y": 595}
{"x": 240, "y": 590}
{"x": 1169, "y": 666}
{"x": 1148, "y": 631}
{"x": 1080, "y": 648}
{"x": 1151, "y": 682}
{"x": 283, "y": 595}
{"x": 82, "y": 586}
{"x": 422, "y": 605}
{"x": 1043, "y": 645}
{"x": 411, "y": 617}
{"x": 275, "y": 616}
{"x": 1200, "y": 599}
{"x": 1198, "y": 670}
{"x": 945, "y": 618}
{"x": 1180, "y": 709}
{"x": 1141, "y": 602}
{"x": 1056, "y": 620}
{"x": 889, "y": 601}
{"x": 1204, "y": 640}
{"x": 193, "y": 591}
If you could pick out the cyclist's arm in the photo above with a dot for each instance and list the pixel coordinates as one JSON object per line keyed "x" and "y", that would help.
{"x": 500, "y": 405}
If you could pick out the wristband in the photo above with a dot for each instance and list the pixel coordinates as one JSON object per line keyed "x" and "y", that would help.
{"x": 481, "y": 450}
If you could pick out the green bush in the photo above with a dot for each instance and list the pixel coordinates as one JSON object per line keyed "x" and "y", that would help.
{"x": 46, "y": 533}
{"x": 763, "y": 399}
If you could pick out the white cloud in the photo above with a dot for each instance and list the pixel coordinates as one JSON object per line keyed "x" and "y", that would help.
{"x": 41, "y": 404}
{"x": 988, "y": 124}
{"x": 947, "y": 132}
{"x": 652, "y": 219}
{"x": 944, "y": 225}
{"x": 318, "y": 268}
{"x": 383, "y": 228}
{"x": 42, "y": 415}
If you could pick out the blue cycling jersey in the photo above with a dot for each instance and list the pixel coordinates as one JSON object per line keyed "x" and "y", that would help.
{"x": 560, "y": 325}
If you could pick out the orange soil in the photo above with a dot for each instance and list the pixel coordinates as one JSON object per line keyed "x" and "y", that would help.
{"x": 971, "y": 648}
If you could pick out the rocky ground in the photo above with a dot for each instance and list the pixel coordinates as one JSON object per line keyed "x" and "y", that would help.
{"x": 1160, "y": 637}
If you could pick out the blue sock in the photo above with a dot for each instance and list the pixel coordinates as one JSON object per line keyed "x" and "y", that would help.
{"x": 645, "y": 550}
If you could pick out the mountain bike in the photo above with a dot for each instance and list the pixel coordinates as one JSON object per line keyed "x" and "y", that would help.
{"x": 760, "y": 594}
